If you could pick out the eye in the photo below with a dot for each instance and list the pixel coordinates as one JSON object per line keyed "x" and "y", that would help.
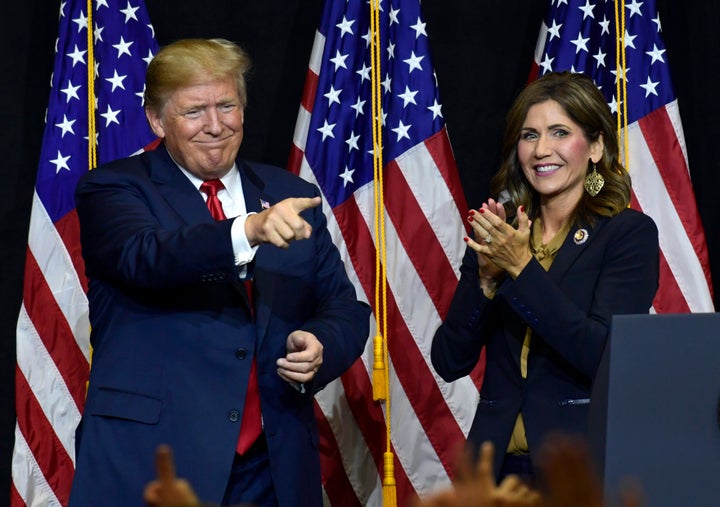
{"x": 192, "y": 114}
{"x": 561, "y": 133}
{"x": 227, "y": 108}
{"x": 528, "y": 135}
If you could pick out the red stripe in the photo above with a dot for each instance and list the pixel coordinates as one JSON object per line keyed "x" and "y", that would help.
{"x": 295, "y": 159}
{"x": 419, "y": 240}
{"x": 53, "y": 460}
{"x": 669, "y": 298}
{"x": 418, "y": 383}
{"x": 309, "y": 90}
{"x": 667, "y": 153}
{"x": 15, "y": 498}
{"x": 54, "y": 331}
{"x": 68, "y": 228}
{"x": 441, "y": 152}
{"x": 335, "y": 480}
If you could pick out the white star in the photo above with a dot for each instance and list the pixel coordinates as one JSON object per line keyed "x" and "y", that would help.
{"x": 81, "y": 21}
{"x": 141, "y": 94}
{"x": 117, "y": 81}
{"x": 649, "y": 87}
{"x": 98, "y": 33}
{"x": 402, "y": 131}
{"x": 419, "y": 28}
{"x": 605, "y": 25}
{"x": 634, "y": 8}
{"x": 345, "y": 26}
{"x": 60, "y": 162}
{"x": 629, "y": 40}
{"x": 367, "y": 38}
{"x": 414, "y": 62}
{"x": 615, "y": 73}
{"x": 123, "y": 47}
{"x": 560, "y": 2}
{"x": 102, "y": 3}
{"x": 149, "y": 57}
{"x": 657, "y": 22}
{"x": 70, "y": 92}
{"x": 600, "y": 57}
{"x": 347, "y": 176}
{"x": 129, "y": 12}
{"x": 339, "y": 60}
{"x": 77, "y": 56}
{"x": 580, "y": 43}
{"x": 66, "y": 126}
{"x": 613, "y": 105}
{"x": 554, "y": 30}
{"x": 358, "y": 107}
{"x": 364, "y": 73}
{"x": 327, "y": 130}
{"x": 152, "y": 30}
{"x": 110, "y": 116}
{"x": 387, "y": 83}
{"x": 436, "y": 109}
{"x": 391, "y": 50}
{"x": 352, "y": 142}
{"x": 393, "y": 16}
{"x": 546, "y": 64}
{"x": 62, "y": 9}
{"x": 333, "y": 95}
{"x": 408, "y": 96}
{"x": 656, "y": 54}
{"x": 587, "y": 10}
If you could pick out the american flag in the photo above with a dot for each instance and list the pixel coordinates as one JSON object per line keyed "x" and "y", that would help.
{"x": 53, "y": 350}
{"x": 581, "y": 36}
{"x": 424, "y": 210}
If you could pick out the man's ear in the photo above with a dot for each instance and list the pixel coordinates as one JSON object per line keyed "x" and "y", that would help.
{"x": 156, "y": 122}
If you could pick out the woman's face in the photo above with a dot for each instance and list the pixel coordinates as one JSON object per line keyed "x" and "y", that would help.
{"x": 554, "y": 153}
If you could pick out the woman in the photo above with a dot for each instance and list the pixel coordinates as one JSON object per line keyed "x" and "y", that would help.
{"x": 539, "y": 293}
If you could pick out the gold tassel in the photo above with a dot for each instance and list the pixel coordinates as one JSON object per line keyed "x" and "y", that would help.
{"x": 389, "y": 493}
{"x": 379, "y": 370}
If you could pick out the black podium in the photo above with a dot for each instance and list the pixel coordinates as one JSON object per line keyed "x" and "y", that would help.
{"x": 655, "y": 411}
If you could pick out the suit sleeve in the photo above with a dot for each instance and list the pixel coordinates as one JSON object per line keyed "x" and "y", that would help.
{"x": 340, "y": 321}
{"x": 130, "y": 235}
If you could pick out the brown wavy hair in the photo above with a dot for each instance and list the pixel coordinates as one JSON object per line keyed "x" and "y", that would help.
{"x": 585, "y": 105}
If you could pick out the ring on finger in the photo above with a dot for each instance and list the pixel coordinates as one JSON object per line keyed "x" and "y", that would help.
{"x": 488, "y": 239}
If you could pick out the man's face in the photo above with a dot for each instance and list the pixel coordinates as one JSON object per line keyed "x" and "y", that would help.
{"x": 202, "y": 125}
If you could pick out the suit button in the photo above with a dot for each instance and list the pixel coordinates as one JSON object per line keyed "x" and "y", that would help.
{"x": 241, "y": 353}
{"x": 234, "y": 415}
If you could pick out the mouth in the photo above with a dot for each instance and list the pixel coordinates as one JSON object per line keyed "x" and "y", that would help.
{"x": 544, "y": 170}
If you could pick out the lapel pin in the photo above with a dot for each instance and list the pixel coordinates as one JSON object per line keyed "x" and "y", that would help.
{"x": 581, "y": 236}
{"x": 264, "y": 204}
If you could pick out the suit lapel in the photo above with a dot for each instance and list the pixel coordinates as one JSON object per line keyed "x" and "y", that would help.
{"x": 578, "y": 239}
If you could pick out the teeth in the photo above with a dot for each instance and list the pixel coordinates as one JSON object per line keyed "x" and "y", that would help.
{"x": 547, "y": 168}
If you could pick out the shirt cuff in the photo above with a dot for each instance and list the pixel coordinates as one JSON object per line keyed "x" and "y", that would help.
{"x": 244, "y": 253}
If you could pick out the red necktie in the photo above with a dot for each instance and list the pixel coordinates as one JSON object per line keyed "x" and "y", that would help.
{"x": 251, "y": 425}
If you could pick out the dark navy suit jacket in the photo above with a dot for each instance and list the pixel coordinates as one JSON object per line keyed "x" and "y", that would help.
{"x": 569, "y": 308}
{"x": 173, "y": 337}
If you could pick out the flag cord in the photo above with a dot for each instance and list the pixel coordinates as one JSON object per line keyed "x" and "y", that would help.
{"x": 381, "y": 374}
{"x": 621, "y": 82}
{"x": 92, "y": 147}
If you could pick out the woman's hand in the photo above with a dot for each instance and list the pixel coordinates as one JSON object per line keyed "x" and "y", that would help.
{"x": 500, "y": 246}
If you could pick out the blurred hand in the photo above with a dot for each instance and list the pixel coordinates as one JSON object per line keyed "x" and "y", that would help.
{"x": 475, "y": 486}
{"x": 281, "y": 224}
{"x": 167, "y": 490}
{"x": 304, "y": 358}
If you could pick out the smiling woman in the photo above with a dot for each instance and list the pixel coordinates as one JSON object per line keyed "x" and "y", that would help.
{"x": 544, "y": 330}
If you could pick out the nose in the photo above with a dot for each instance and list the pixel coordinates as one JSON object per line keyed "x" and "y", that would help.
{"x": 213, "y": 125}
{"x": 543, "y": 147}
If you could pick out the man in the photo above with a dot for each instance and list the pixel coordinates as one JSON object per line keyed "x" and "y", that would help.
{"x": 178, "y": 342}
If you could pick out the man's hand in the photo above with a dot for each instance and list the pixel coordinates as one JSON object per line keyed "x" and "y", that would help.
{"x": 167, "y": 490}
{"x": 281, "y": 224}
{"x": 304, "y": 358}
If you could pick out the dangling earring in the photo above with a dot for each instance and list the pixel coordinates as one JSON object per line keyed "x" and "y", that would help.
{"x": 594, "y": 182}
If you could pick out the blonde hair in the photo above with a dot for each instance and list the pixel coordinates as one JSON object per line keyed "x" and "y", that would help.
{"x": 189, "y": 61}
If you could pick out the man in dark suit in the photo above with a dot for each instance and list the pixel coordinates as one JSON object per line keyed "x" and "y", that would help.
{"x": 202, "y": 298}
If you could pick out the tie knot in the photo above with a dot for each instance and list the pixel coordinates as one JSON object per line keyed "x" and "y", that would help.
{"x": 211, "y": 187}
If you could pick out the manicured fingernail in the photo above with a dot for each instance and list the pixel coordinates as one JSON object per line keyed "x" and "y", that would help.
{"x": 472, "y": 212}
{"x": 466, "y": 239}
{"x": 482, "y": 210}
{"x": 522, "y": 209}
